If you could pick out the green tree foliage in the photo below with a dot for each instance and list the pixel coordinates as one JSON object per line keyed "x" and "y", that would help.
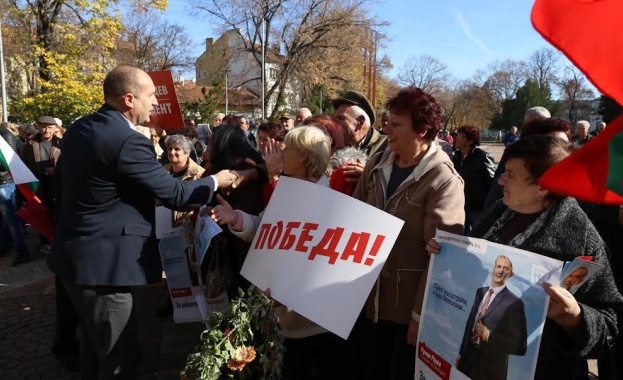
{"x": 528, "y": 95}
{"x": 63, "y": 49}
{"x": 202, "y": 110}
{"x": 609, "y": 109}
{"x": 317, "y": 99}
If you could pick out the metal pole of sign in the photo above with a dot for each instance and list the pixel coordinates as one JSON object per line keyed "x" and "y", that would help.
{"x": 226, "y": 96}
{"x": 2, "y": 83}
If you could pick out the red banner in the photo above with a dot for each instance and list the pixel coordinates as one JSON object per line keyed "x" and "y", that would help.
{"x": 433, "y": 361}
{"x": 167, "y": 113}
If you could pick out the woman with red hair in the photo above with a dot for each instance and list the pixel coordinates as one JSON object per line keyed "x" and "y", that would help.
{"x": 414, "y": 180}
{"x": 477, "y": 168}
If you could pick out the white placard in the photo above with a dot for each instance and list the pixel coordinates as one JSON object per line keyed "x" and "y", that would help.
{"x": 320, "y": 252}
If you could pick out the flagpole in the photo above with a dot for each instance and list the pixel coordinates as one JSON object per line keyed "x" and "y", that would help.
{"x": 2, "y": 83}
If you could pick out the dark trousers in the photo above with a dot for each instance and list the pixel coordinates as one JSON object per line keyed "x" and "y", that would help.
{"x": 384, "y": 352}
{"x": 108, "y": 332}
{"x": 66, "y": 337}
{"x": 318, "y": 357}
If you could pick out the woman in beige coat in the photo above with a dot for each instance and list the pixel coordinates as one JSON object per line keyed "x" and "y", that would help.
{"x": 415, "y": 181}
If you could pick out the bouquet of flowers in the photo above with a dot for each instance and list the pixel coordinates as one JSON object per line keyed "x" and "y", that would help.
{"x": 243, "y": 342}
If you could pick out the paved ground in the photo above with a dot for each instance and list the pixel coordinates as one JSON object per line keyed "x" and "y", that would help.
{"x": 28, "y": 317}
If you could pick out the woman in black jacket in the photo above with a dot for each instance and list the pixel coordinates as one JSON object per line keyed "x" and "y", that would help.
{"x": 477, "y": 168}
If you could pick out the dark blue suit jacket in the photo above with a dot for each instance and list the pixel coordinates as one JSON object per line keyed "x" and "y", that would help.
{"x": 109, "y": 180}
{"x": 506, "y": 320}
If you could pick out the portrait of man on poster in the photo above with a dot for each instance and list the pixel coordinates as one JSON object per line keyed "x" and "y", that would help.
{"x": 495, "y": 328}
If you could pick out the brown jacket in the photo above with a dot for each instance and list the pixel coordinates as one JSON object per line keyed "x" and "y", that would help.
{"x": 32, "y": 154}
{"x": 193, "y": 172}
{"x": 430, "y": 198}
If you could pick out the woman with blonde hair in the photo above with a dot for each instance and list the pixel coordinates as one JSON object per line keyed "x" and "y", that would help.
{"x": 306, "y": 157}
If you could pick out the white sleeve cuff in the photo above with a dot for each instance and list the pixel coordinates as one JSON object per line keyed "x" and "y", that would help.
{"x": 215, "y": 182}
{"x": 415, "y": 316}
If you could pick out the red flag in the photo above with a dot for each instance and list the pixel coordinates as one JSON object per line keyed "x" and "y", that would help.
{"x": 589, "y": 33}
{"x": 38, "y": 216}
{"x": 583, "y": 174}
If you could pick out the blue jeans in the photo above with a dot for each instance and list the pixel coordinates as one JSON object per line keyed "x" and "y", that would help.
{"x": 10, "y": 223}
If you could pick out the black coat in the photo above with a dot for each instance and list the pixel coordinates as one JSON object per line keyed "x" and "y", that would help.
{"x": 109, "y": 183}
{"x": 477, "y": 170}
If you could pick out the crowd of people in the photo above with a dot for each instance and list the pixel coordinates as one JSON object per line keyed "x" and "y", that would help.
{"x": 103, "y": 176}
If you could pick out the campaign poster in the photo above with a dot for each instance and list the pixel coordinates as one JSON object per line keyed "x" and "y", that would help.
{"x": 320, "y": 257}
{"x": 167, "y": 113}
{"x": 484, "y": 310}
{"x": 177, "y": 253}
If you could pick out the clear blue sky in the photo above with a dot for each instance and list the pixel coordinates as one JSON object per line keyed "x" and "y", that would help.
{"x": 465, "y": 35}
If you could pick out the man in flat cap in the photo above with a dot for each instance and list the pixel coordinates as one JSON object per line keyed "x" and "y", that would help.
{"x": 356, "y": 112}
{"x": 40, "y": 154}
{"x": 287, "y": 121}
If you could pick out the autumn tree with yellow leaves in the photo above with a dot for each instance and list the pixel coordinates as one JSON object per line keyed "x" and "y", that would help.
{"x": 60, "y": 50}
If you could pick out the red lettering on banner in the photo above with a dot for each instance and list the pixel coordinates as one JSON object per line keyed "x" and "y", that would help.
{"x": 261, "y": 240}
{"x": 328, "y": 245}
{"x": 305, "y": 237}
{"x": 288, "y": 239}
{"x": 356, "y": 247}
{"x": 275, "y": 235}
{"x": 433, "y": 361}
{"x": 375, "y": 249}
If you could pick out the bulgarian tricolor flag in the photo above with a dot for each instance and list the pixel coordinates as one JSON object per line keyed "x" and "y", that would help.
{"x": 33, "y": 211}
{"x": 589, "y": 33}
{"x": 22, "y": 176}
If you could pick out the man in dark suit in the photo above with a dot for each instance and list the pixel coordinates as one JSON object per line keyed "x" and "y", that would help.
{"x": 496, "y": 328}
{"x": 104, "y": 241}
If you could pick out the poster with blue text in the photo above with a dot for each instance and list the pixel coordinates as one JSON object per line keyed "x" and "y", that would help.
{"x": 484, "y": 311}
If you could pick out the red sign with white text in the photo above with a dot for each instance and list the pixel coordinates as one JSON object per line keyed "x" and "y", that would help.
{"x": 167, "y": 113}
{"x": 435, "y": 362}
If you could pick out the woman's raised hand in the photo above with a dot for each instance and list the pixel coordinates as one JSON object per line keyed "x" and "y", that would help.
{"x": 274, "y": 159}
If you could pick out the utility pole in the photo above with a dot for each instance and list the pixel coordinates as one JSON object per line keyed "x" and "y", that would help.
{"x": 263, "y": 68}
{"x": 226, "y": 96}
{"x": 2, "y": 82}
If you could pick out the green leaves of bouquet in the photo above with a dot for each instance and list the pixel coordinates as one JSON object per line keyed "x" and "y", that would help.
{"x": 243, "y": 342}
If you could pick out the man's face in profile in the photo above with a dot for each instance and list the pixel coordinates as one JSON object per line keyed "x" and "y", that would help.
{"x": 574, "y": 278}
{"x": 502, "y": 271}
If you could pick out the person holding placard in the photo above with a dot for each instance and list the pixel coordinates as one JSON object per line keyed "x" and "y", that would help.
{"x": 312, "y": 352}
{"x": 415, "y": 181}
{"x": 579, "y": 326}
